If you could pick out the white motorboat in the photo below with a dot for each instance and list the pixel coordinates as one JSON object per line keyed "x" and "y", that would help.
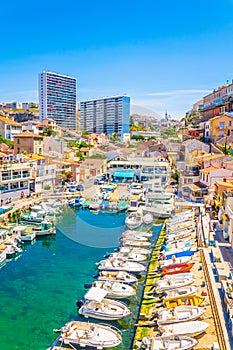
{"x": 117, "y": 276}
{"x": 136, "y": 250}
{"x": 2, "y": 258}
{"x": 192, "y": 328}
{"x": 148, "y": 219}
{"x": 136, "y": 233}
{"x": 24, "y": 233}
{"x": 179, "y": 314}
{"x": 179, "y": 244}
{"x": 168, "y": 343}
{"x": 97, "y": 306}
{"x": 134, "y": 219}
{"x": 85, "y": 334}
{"x": 131, "y": 256}
{"x": 180, "y": 292}
{"x": 121, "y": 265}
{"x": 115, "y": 289}
{"x": 183, "y": 234}
{"x": 135, "y": 243}
{"x": 175, "y": 260}
{"x": 174, "y": 281}
{"x": 134, "y": 236}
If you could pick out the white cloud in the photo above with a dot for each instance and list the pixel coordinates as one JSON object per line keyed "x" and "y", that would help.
{"x": 179, "y": 92}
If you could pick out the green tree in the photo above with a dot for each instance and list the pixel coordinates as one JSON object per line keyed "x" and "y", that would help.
{"x": 48, "y": 131}
{"x": 9, "y": 143}
{"x": 80, "y": 155}
{"x": 114, "y": 137}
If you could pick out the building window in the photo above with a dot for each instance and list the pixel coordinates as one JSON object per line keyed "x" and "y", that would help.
{"x": 230, "y": 122}
{"x": 221, "y": 125}
{"x": 18, "y": 141}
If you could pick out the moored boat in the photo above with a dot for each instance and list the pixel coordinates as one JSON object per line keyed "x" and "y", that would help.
{"x": 176, "y": 268}
{"x": 168, "y": 343}
{"x": 173, "y": 282}
{"x": 179, "y": 314}
{"x": 24, "y": 233}
{"x": 174, "y": 260}
{"x": 117, "y": 276}
{"x": 136, "y": 250}
{"x": 121, "y": 265}
{"x": 131, "y": 256}
{"x": 148, "y": 219}
{"x": 193, "y": 300}
{"x": 180, "y": 292}
{"x": 135, "y": 243}
{"x": 97, "y": 306}
{"x": 115, "y": 289}
{"x": 134, "y": 219}
{"x": 192, "y": 328}
{"x": 85, "y": 334}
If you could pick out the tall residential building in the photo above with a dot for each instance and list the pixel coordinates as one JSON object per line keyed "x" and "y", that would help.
{"x": 106, "y": 115}
{"x": 57, "y": 98}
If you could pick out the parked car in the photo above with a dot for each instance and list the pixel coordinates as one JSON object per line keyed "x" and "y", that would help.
{"x": 80, "y": 187}
{"x": 72, "y": 188}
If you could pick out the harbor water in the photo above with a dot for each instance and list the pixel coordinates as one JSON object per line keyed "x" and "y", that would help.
{"x": 40, "y": 287}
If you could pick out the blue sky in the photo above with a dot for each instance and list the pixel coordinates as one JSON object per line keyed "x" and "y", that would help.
{"x": 164, "y": 54}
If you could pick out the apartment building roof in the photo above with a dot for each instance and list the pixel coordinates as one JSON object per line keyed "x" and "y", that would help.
{"x": 29, "y": 134}
{"x": 209, "y": 169}
{"x": 9, "y": 121}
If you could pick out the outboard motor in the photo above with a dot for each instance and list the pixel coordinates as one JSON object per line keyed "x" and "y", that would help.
{"x": 79, "y": 303}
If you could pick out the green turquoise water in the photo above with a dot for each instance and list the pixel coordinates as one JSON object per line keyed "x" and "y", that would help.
{"x": 39, "y": 289}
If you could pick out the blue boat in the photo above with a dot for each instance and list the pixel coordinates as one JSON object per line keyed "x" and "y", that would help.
{"x": 182, "y": 253}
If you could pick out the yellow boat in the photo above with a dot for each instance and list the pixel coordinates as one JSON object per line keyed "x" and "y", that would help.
{"x": 193, "y": 300}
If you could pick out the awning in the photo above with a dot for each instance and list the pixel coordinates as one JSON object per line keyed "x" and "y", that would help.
{"x": 96, "y": 294}
{"x": 124, "y": 175}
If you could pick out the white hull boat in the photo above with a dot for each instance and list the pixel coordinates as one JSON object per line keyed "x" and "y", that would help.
{"x": 137, "y": 233}
{"x": 179, "y": 314}
{"x": 115, "y": 289}
{"x": 135, "y": 250}
{"x": 168, "y": 343}
{"x": 192, "y": 328}
{"x": 108, "y": 310}
{"x": 85, "y": 334}
{"x": 134, "y": 220}
{"x": 121, "y": 265}
{"x": 170, "y": 282}
{"x": 131, "y": 256}
{"x": 117, "y": 276}
{"x": 134, "y": 237}
{"x": 173, "y": 237}
{"x": 180, "y": 292}
{"x": 134, "y": 243}
{"x": 148, "y": 219}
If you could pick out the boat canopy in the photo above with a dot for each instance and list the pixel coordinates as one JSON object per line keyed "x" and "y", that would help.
{"x": 124, "y": 175}
{"x": 96, "y": 294}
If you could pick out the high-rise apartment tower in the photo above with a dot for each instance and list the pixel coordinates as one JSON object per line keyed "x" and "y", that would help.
{"x": 57, "y": 98}
{"x": 106, "y": 115}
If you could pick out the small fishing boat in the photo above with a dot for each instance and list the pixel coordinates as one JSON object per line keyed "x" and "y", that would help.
{"x": 121, "y": 265}
{"x": 193, "y": 300}
{"x": 117, "y": 276}
{"x": 183, "y": 234}
{"x": 174, "y": 282}
{"x": 131, "y": 256}
{"x": 135, "y": 243}
{"x": 45, "y": 228}
{"x": 179, "y": 314}
{"x": 176, "y": 268}
{"x": 85, "y": 334}
{"x": 192, "y": 328}
{"x": 134, "y": 219}
{"x": 136, "y": 250}
{"x": 97, "y": 306}
{"x": 179, "y": 244}
{"x": 24, "y": 233}
{"x": 32, "y": 217}
{"x": 179, "y": 253}
{"x": 148, "y": 219}
{"x": 180, "y": 292}
{"x": 168, "y": 343}
{"x": 114, "y": 289}
{"x": 174, "y": 260}
{"x": 134, "y": 236}
{"x": 136, "y": 233}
